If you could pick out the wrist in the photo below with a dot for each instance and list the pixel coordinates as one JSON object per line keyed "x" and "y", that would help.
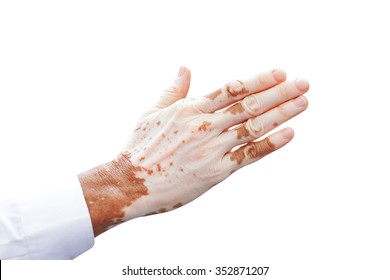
{"x": 110, "y": 188}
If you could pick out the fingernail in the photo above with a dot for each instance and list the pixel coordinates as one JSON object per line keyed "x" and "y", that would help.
{"x": 302, "y": 84}
{"x": 279, "y": 75}
{"x": 181, "y": 71}
{"x": 301, "y": 101}
{"x": 287, "y": 133}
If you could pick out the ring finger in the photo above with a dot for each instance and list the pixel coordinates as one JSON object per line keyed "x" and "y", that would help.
{"x": 258, "y": 126}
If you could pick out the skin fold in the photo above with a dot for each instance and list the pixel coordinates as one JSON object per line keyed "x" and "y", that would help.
{"x": 182, "y": 147}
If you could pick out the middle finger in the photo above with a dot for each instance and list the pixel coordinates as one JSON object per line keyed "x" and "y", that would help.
{"x": 259, "y": 103}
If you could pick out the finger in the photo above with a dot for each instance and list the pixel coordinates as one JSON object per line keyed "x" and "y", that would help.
{"x": 176, "y": 91}
{"x": 238, "y": 89}
{"x": 257, "y": 104}
{"x": 258, "y": 126}
{"x": 253, "y": 151}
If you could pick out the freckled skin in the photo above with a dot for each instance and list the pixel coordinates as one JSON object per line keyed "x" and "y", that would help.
{"x": 204, "y": 126}
{"x": 117, "y": 180}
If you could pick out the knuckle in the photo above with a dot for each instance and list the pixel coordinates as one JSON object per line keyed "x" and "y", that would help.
{"x": 252, "y": 105}
{"x": 259, "y": 149}
{"x": 235, "y": 89}
{"x": 255, "y": 129}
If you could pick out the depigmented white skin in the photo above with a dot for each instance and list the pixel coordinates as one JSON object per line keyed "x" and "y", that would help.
{"x": 182, "y": 147}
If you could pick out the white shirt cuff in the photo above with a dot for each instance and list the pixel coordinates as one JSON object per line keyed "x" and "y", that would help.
{"x": 50, "y": 224}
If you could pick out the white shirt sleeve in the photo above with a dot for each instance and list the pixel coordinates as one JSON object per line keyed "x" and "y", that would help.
{"x": 49, "y": 224}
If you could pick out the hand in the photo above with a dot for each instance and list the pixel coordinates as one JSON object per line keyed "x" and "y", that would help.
{"x": 182, "y": 147}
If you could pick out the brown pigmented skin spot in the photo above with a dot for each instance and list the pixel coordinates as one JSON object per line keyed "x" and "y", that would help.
{"x": 163, "y": 135}
{"x": 149, "y": 171}
{"x": 177, "y": 205}
{"x": 236, "y": 88}
{"x": 215, "y": 94}
{"x": 171, "y": 163}
{"x": 161, "y": 210}
{"x": 238, "y": 156}
{"x": 142, "y": 158}
{"x": 159, "y": 122}
{"x": 275, "y": 124}
{"x": 253, "y": 150}
{"x": 235, "y": 109}
{"x": 176, "y": 132}
{"x": 203, "y": 126}
{"x": 242, "y": 132}
{"x": 151, "y": 213}
{"x": 158, "y": 167}
{"x": 116, "y": 181}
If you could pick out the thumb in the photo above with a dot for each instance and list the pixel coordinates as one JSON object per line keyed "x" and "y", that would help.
{"x": 177, "y": 90}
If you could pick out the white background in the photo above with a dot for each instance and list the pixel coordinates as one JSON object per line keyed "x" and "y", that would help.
{"x": 76, "y": 75}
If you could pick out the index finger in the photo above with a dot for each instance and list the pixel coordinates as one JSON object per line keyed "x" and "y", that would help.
{"x": 238, "y": 89}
